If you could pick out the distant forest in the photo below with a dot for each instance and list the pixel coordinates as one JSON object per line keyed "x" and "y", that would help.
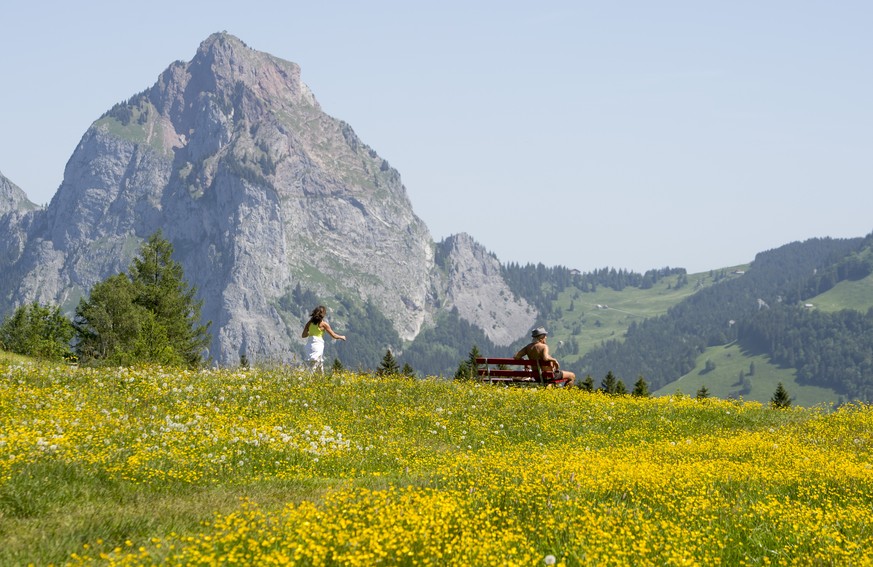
{"x": 764, "y": 312}
{"x": 540, "y": 285}
{"x": 834, "y": 350}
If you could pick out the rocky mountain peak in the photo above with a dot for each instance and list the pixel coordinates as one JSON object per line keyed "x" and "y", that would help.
{"x": 226, "y": 62}
{"x": 475, "y": 286}
{"x": 12, "y": 198}
{"x": 227, "y": 73}
{"x": 260, "y": 193}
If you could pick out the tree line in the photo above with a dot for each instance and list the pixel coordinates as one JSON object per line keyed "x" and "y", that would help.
{"x": 753, "y": 309}
{"x": 148, "y": 315}
{"x": 833, "y": 350}
{"x": 540, "y": 285}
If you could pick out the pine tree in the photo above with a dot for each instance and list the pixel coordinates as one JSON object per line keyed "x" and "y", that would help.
{"x": 149, "y": 316}
{"x": 108, "y": 322}
{"x": 471, "y": 359}
{"x": 408, "y": 371}
{"x": 468, "y": 369}
{"x": 161, "y": 289}
{"x": 609, "y": 383}
{"x": 641, "y": 388}
{"x": 337, "y": 366}
{"x": 463, "y": 371}
{"x": 620, "y": 388}
{"x": 702, "y": 393}
{"x": 588, "y": 383}
{"x": 780, "y": 398}
{"x": 39, "y": 331}
{"x": 388, "y": 366}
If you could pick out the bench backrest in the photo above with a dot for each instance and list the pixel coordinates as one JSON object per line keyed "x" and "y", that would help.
{"x": 514, "y": 368}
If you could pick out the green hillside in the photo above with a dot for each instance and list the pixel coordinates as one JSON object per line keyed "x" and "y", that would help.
{"x": 9, "y": 357}
{"x": 586, "y": 319}
{"x": 589, "y": 318}
{"x": 724, "y": 380}
{"x": 857, "y": 295}
{"x": 803, "y": 306}
{"x": 735, "y": 374}
{"x": 249, "y": 467}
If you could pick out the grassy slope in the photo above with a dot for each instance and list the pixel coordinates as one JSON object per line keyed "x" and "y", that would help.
{"x": 856, "y": 295}
{"x": 595, "y": 325}
{"x": 8, "y": 357}
{"x": 730, "y": 360}
{"x": 148, "y": 457}
{"x": 724, "y": 380}
{"x": 619, "y": 310}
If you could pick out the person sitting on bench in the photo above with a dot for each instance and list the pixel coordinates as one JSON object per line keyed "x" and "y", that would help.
{"x": 539, "y": 350}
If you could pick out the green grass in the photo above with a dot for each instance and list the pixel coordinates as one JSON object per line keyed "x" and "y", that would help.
{"x": 11, "y": 357}
{"x": 139, "y": 466}
{"x": 589, "y": 325}
{"x": 857, "y": 295}
{"x": 724, "y": 381}
{"x": 591, "y": 318}
{"x": 50, "y": 509}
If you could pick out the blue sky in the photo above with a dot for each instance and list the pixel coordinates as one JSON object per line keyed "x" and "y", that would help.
{"x": 630, "y": 134}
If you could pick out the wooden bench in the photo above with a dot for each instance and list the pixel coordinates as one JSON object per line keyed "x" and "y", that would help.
{"x": 516, "y": 372}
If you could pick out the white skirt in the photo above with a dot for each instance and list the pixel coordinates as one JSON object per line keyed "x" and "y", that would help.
{"x": 315, "y": 350}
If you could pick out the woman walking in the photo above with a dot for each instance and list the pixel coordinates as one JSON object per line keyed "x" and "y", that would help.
{"x": 314, "y": 331}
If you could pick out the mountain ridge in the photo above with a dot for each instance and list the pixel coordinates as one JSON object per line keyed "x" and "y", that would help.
{"x": 231, "y": 156}
{"x": 274, "y": 206}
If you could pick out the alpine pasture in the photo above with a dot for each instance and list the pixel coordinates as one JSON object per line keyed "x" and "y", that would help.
{"x": 272, "y": 466}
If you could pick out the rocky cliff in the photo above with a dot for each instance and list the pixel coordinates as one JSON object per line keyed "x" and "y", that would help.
{"x": 12, "y": 198}
{"x": 259, "y": 190}
{"x": 474, "y": 285}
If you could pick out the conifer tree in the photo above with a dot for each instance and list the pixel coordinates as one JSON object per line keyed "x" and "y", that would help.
{"x": 620, "y": 388}
{"x": 780, "y": 398}
{"x": 149, "y": 316}
{"x": 388, "y": 366}
{"x": 463, "y": 371}
{"x": 162, "y": 290}
{"x": 408, "y": 371}
{"x": 641, "y": 388}
{"x": 588, "y": 383}
{"x": 108, "y": 322}
{"x": 471, "y": 359}
{"x": 337, "y": 366}
{"x": 702, "y": 393}
{"x": 609, "y": 383}
{"x": 468, "y": 369}
{"x": 37, "y": 330}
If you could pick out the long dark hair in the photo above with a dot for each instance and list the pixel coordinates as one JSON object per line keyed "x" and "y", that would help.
{"x": 317, "y": 315}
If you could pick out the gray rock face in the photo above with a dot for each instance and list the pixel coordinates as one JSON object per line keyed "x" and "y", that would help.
{"x": 474, "y": 285}
{"x": 12, "y": 198}
{"x": 16, "y": 216}
{"x": 231, "y": 156}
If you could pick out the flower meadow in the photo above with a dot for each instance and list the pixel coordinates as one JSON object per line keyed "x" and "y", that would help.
{"x": 271, "y": 466}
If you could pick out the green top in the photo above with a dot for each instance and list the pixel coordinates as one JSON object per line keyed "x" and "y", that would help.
{"x": 315, "y": 331}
